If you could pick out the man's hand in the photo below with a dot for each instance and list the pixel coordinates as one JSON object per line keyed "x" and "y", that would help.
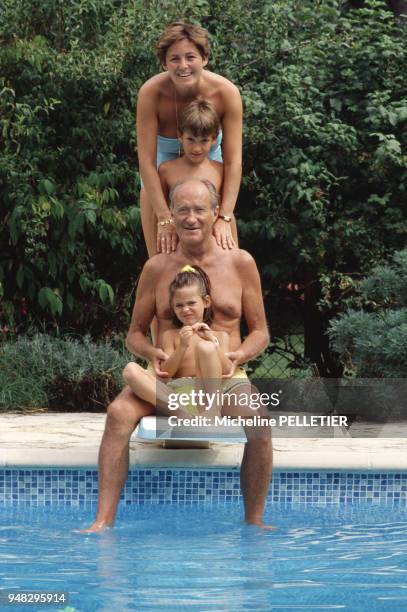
{"x": 223, "y": 234}
{"x": 237, "y": 358}
{"x": 167, "y": 238}
{"x": 158, "y": 358}
{"x": 185, "y": 334}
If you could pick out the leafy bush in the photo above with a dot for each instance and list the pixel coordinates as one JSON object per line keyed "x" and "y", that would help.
{"x": 372, "y": 341}
{"x": 324, "y": 165}
{"x": 59, "y": 373}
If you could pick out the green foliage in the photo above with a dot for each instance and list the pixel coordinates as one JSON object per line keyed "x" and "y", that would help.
{"x": 324, "y": 145}
{"x": 372, "y": 341}
{"x": 59, "y": 373}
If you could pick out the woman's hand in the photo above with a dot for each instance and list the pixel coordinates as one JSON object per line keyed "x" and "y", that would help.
{"x": 223, "y": 234}
{"x": 185, "y": 335}
{"x": 167, "y": 238}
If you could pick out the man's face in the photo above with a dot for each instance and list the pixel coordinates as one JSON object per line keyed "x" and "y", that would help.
{"x": 192, "y": 213}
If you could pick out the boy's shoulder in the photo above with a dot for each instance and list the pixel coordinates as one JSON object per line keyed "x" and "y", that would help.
{"x": 169, "y": 165}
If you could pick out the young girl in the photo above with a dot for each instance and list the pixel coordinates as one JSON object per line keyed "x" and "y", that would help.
{"x": 196, "y": 353}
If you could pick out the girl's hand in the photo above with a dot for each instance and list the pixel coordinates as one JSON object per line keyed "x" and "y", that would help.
{"x": 223, "y": 234}
{"x": 185, "y": 334}
{"x": 204, "y": 331}
{"x": 167, "y": 238}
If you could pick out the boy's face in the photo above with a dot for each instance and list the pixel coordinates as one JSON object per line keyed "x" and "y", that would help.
{"x": 196, "y": 148}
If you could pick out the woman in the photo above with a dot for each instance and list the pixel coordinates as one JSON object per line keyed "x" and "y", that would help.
{"x": 183, "y": 51}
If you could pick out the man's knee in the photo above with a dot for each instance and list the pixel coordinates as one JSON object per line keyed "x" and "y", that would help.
{"x": 120, "y": 415}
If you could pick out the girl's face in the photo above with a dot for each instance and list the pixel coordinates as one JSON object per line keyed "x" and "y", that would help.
{"x": 189, "y": 305}
{"x": 184, "y": 64}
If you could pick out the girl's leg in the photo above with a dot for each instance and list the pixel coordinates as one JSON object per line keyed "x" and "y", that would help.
{"x": 209, "y": 373}
{"x": 147, "y": 387}
{"x": 149, "y": 224}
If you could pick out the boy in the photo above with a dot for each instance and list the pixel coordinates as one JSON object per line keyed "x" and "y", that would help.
{"x": 198, "y": 129}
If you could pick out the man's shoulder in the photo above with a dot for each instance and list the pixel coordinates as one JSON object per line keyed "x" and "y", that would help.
{"x": 155, "y": 264}
{"x": 241, "y": 258}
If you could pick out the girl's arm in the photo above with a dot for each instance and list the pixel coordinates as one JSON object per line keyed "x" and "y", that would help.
{"x": 172, "y": 364}
{"x": 223, "y": 347}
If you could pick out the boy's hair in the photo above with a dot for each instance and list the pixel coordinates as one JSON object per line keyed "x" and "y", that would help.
{"x": 179, "y": 30}
{"x": 187, "y": 277}
{"x": 200, "y": 118}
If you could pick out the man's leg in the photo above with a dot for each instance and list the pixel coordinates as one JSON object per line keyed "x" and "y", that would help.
{"x": 257, "y": 462}
{"x": 255, "y": 472}
{"x": 123, "y": 414}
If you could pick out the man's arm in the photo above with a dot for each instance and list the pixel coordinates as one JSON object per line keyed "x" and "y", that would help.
{"x": 144, "y": 310}
{"x": 252, "y": 310}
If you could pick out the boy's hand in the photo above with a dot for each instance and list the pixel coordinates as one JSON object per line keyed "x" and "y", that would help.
{"x": 185, "y": 334}
{"x": 167, "y": 238}
{"x": 223, "y": 234}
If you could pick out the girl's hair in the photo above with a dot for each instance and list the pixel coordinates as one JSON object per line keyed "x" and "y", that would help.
{"x": 179, "y": 30}
{"x": 200, "y": 118}
{"x": 187, "y": 277}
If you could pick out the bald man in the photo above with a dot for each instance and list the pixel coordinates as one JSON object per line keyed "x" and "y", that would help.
{"x": 235, "y": 292}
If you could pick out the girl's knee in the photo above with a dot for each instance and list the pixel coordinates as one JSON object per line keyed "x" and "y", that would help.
{"x": 130, "y": 372}
{"x": 205, "y": 349}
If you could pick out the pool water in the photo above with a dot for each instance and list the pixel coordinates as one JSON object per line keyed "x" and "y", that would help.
{"x": 351, "y": 557}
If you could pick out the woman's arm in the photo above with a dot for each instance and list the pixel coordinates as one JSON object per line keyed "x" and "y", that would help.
{"x": 232, "y": 125}
{"x": 147, "y": 131}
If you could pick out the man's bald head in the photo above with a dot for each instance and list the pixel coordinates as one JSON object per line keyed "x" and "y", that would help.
{"x": 199, "y": 187}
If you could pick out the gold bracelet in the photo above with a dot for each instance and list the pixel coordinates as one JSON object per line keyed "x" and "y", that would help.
{"x": 225, "y": 218}
{"x": 165, "y": 222}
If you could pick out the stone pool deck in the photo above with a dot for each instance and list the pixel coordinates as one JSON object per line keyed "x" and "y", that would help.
{"x": 72, "y": 439}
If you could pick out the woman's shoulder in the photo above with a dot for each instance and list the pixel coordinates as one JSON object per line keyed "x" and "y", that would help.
{"x": 157, "y": 84}
{"x": 213, "y": 79}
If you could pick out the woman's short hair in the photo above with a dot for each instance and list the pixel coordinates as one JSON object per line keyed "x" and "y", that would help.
{"x": 179, "y": 30}
{"x": 200, "y": 118}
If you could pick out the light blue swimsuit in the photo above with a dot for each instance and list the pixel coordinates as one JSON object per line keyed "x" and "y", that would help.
{"x": 169, "y": 148}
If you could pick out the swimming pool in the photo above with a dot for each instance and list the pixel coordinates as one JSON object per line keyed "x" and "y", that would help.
{"x": 340, "y": 543}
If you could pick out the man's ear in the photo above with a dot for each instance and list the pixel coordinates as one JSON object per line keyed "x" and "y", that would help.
{"x": 205, "y": 61}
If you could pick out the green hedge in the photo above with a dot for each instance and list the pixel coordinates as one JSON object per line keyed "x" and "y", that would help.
{"x": 324, "y": 187}
{"x": 42, "y": 371}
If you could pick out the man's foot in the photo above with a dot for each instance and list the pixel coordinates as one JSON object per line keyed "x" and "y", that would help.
{"x": 259, "y": 523}
{"x": 96, "y": 527}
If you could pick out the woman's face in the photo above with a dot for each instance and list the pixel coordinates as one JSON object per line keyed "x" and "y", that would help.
{"x": 184, "y": 64}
